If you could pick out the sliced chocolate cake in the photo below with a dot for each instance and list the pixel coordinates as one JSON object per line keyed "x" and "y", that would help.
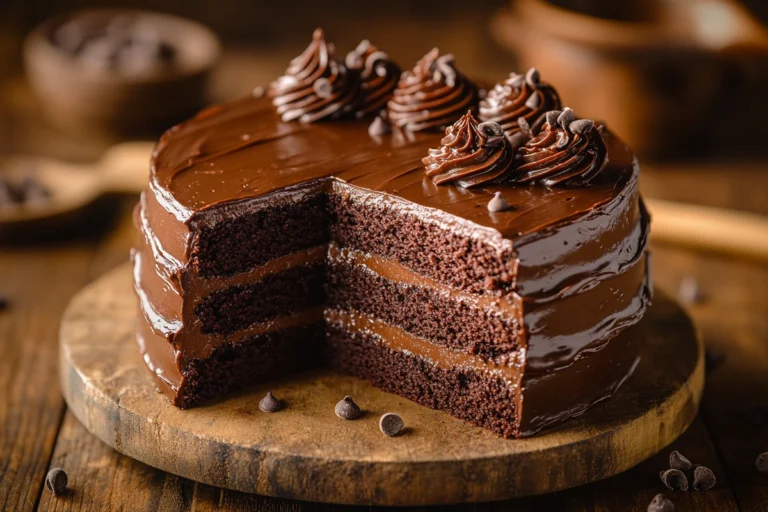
{"x": 486, "y": 258}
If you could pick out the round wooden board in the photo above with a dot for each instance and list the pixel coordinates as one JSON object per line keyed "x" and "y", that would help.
{"x": 305, "y": 452}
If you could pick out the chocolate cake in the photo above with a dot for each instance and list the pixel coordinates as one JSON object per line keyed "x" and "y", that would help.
{"x": 486, "y": 257}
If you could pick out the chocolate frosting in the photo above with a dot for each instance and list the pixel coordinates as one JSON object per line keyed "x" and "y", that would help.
{"x": 573, "y": 246}
{"x": 471, "y": 154}
{"x": 378, "y": 78}
{"x": 565, "y": 151}
{"x": 431, "y": 96}
{"x": 518, "y": 96}
{"x": 315, "y": 86}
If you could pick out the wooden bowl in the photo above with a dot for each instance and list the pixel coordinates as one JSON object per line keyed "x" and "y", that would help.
{"x": 667, "y": 76}
{"x": 107, "y": 100}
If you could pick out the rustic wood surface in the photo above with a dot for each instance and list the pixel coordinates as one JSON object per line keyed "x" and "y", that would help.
{"x": 231, "y": 444}
{"x": 40, "y": 275}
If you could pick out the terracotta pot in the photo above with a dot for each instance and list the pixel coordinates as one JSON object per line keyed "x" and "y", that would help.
{"x": 663, "y": 77}
{"x": 107, "y": 100}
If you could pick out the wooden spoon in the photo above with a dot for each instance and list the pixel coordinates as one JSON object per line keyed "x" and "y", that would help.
{"x": 123, "y": 168}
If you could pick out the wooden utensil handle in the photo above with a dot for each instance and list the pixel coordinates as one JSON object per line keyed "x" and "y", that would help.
{"x": 126, "y": 166}
{"x": 733, "y": 232}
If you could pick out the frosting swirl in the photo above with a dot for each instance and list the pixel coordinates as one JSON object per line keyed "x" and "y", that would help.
{"x": 518, "y": 96}
{"x": 565, "y": 151}
{"x": 472, "y": 154}
{"x": 378, "y": 77}
{"x": 315, "y": 86}
{"x": 433, "y": 95}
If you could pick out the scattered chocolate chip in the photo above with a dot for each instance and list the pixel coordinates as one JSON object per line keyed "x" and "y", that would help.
{"x": 56, "y": 481}
{"x": 391, "y": 424}
{"x": 498, "y": 203}
{"x": 269, "y": 403}
{"x": 532, "y": 77}
{"x": 533, "y": 101}
{"x": 516, "y": 81}
{"x": 703, "y": 478}
{"x": 689, "y": 291}
{"x": 32, "y": 191}
{"x": 679, "y": 461}
{"x": 661, "y": 503}
{"x": 581, "y": 126}
{"x": 552, "y": 116}
{"x": 516, "y": 140}
{"x": 322, "y": 87}
{"x": 565, "y": 118}
{"x": 7, "y": 194}
{"x": 4, "y": 303}
{"x": 674, "y": 479}
{"x": 525, "y": 128}
{"x": 713, "y": 361}
{"x": 378, "y": 127}
{"x": 347, "y": 409}
{"x": 490, "y": 128}
{"x": 761, "y": 462}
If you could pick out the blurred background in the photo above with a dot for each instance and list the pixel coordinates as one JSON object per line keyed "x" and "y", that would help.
{"x": 685, "y": 82}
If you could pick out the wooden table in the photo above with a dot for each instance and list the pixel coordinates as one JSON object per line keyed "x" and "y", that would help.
{"x": 38, "y": 433}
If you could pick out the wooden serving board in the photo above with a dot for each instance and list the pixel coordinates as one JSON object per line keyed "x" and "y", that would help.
{"x": 305, "y": 452}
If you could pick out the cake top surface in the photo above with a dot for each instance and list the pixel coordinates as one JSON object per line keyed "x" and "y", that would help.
{"x": 243, "y": 150}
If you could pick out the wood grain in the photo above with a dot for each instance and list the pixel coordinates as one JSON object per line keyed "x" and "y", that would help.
{"x": 230, "y": 444}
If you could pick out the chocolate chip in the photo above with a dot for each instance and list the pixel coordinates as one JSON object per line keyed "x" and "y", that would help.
{"x": 31, "y": 190}
{"x": 515, "y": 80}
{"x": 498, "y": 203}
{"x": 678, "y": 461}
{"x": 378, "y": 127}
{"x": 565, "y": 118}
{"x": 4, "y": 303}
{"x": 7, "y": 193}
{"x": 322, "y": 87}
{"x": 533, "y": 101}
{"x": 391, "y": 424}
{"x": 269, "y": 403}
{"x": 689, "y": 291}
{"x": 525, "y": 128}
{"x": 661, "y": 503}
{"x": 703, "y": 478}
{"x": 581, "y": 126}
{"x": 674, "y": 479}
{"x": 532, "y": 77}
{"x": 517, "y": 140}
{"x": 490, "y": 128}
{"x": 347, "y": 409}
{"x": 101, "y": 53}
{"x": 552, "y": 116}
{"x": 56, "y": 481}
{"x": 761, "y": 462}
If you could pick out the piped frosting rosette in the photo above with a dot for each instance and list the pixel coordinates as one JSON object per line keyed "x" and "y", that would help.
{"x": 378, "y": 76}
{"x": 563, "y": 151}
{"x": 519, "y": 96}
{"x": 471, "y": 154}
{"x": 431, "y": 96}
{"x": 315, "y": 86}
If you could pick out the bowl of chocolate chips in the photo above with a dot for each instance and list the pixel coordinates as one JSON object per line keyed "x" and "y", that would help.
{"x": 119, "y": 71}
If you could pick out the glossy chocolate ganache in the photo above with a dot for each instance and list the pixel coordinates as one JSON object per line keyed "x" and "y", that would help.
{"x": 271, "y": 242}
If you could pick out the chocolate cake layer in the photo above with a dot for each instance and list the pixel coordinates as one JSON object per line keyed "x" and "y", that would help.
{"x": 234, "y": 308}
{"x": 423, "y": 311}
{"x": 500, "y": 310}
{"x": 472, "y": 394}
